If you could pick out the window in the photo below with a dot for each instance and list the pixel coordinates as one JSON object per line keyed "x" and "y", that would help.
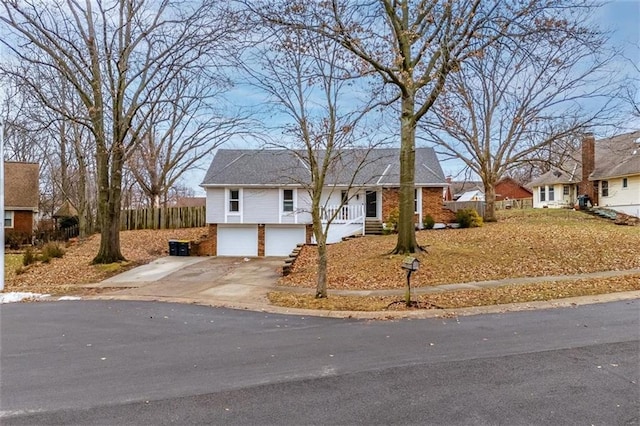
{"x": 415, "y": 200}
{"x": 234, "y": 200}
{"x": 565, "y": 190}
{"x": 551, "y": 193}
{"x": 287, "y": 200}
{"x": 625, "y": 183}
{"x": 543, "y": 194}
{"x": 8, "y": 219}
{"x": 605, "y": 188}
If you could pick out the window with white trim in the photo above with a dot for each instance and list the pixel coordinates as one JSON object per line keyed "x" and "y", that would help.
{"x": 287, "y": 200}
{"x": 625, "y": 183}
{"x": 234, "y": 200}
{"x": 565, "y": 190}
{"x": 8, "y": 219}
{"x": 543, "y": 193}
{"x": 551, "y": 193}
{"x": 605, "y": 188}
{"x": 415, "y": 200}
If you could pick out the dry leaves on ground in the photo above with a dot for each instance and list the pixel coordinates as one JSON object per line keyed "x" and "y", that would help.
{"x": 522, "y": 244}
{"x": 462, "y": 298}
{"x": 62, "y": 276}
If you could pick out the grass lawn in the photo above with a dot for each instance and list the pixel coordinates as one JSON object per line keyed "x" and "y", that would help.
{"x": 11, "y": 263}
{"x": 523, "y": 243}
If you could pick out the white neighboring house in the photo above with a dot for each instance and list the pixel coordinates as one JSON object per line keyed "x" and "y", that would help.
{"x": 606, "y": 170}
{"x": 475, "y": 195}
{"x": 258, "y": 204}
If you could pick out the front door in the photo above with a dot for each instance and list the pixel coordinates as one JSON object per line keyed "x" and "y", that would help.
{"x": 372, "y": 204}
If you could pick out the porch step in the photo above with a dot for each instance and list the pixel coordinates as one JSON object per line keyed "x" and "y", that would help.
{"x": 373, "y": 227}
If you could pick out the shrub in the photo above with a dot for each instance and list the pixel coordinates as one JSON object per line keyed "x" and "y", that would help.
{"x": 428, "y": 222}
{"x": 468, "y": 218}
{"x": 391, "y": 221}
{"x": 50, "y": 251}
{"x": 29, "y": 257}
{"x": 14, "y": 239}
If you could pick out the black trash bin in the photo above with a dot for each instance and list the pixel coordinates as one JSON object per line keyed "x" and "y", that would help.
{"x": 173, "y": 247}
{"x": 183, "y": 248}
{"x": 583, "y": 202}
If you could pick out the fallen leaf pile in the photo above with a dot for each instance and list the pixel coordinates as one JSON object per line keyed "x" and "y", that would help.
{"x": 532, "y": 243}
{"x": 63, "y": 275}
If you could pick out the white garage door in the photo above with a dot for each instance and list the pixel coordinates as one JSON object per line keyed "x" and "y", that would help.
{"x": 237, "y": 240}
{"x": 280, "y": 240}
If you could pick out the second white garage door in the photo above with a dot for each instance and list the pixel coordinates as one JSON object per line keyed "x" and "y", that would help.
{"x": 280, "y": 240}
{"x": 237, "y": 240}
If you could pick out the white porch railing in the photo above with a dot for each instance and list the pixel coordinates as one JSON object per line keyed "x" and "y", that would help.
{"x": 343, "y": 214}
{"x": 349, "y": 220}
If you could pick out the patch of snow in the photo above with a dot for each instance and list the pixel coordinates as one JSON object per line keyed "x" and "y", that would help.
{"x": 70, "y": 298}
{"x": 20, "y": 296}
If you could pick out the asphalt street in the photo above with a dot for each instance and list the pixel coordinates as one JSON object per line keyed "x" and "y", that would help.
{"x": 116, "y": 362}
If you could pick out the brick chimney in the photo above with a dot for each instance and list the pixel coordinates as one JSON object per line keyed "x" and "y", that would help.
{"x": 588, "y": 165}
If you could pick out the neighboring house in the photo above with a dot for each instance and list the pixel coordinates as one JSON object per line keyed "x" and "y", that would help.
{"x": 508, "y": 189}
{"x": 190, "y": 202}
{"x": 458, "y": 188}
{"x": 258, "y": 204}
{"x": 607, "y": 171}
{"x": 21, "y": 197}
{"x": 474, "y": 195}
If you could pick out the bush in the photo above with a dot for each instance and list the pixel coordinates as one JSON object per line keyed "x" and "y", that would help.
{"x": 14, "y": 239}
{"x": 428, "y": 222}
{"x": 468, "y": 218}
{"x": 391, "y": 221}
{"x": 29, "y": 257}
{"x": 50, "y": 251}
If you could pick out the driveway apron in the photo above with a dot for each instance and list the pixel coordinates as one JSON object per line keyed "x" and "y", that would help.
{"x": 220, "y": 278}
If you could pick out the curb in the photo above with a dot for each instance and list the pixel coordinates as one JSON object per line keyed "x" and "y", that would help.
{"x": 389, "y": 315}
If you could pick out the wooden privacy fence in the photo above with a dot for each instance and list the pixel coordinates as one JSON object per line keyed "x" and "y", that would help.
{"x": 163, "y": 218}
{"x": 519, "y": 203}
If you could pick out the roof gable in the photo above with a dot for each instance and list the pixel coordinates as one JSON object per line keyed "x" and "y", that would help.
{"x": 617, "y": 156}
{"x": 21, "y": 186}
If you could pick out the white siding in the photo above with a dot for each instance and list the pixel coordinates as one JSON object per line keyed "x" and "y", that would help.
{"x": 559, "y": 200}
{"x": 625, "y": 200}
{"x": 261, "y": 205}
{"x": 304, "y": 206}
{"x": 215, "y": 205}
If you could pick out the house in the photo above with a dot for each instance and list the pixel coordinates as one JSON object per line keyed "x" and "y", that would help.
{"x": 606, "y": 170}
{"x": 508, "y": 189}
{"x": 458, "y": 188}
{"x": 258, "y": 204}
{"x": 21, "y": 198}
{"x": 473, "y": 195}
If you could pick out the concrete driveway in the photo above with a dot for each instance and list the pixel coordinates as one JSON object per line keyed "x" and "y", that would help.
{"x": 198, "y": 279}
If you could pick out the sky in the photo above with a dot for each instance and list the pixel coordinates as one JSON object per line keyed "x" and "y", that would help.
{"x": 621, "y": 17}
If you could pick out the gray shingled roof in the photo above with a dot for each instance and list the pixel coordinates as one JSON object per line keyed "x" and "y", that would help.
{"x": 614, "y": 157}
{"x": 283, "y": 167}
{"x": 617, "y": 156}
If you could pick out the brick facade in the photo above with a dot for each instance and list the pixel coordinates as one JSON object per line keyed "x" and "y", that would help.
{"x": 588, "y": 165}
{"x": 509, "y": 188}
{"x": 261, "y": 231}
{"x": 432, "y": 205}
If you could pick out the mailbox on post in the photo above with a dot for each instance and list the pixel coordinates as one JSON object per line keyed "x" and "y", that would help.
{"x": 410, "y": 264}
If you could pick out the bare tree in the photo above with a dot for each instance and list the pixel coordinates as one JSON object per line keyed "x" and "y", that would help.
{"x": 524, "y": 102}
{"x": 119, "y": 56}
{"x": 412, "y": 45}
{"x": 193, "y": 120}
{"x": 303, "y": 76}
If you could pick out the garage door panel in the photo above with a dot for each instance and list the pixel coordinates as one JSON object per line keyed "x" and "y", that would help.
{"x": 280, "y": 240}
{"x": 237, "y": 240}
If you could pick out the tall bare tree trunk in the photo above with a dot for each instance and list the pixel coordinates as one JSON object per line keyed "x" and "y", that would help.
{"x": 406, "y": 232}
{"x": 490, "y": 200}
